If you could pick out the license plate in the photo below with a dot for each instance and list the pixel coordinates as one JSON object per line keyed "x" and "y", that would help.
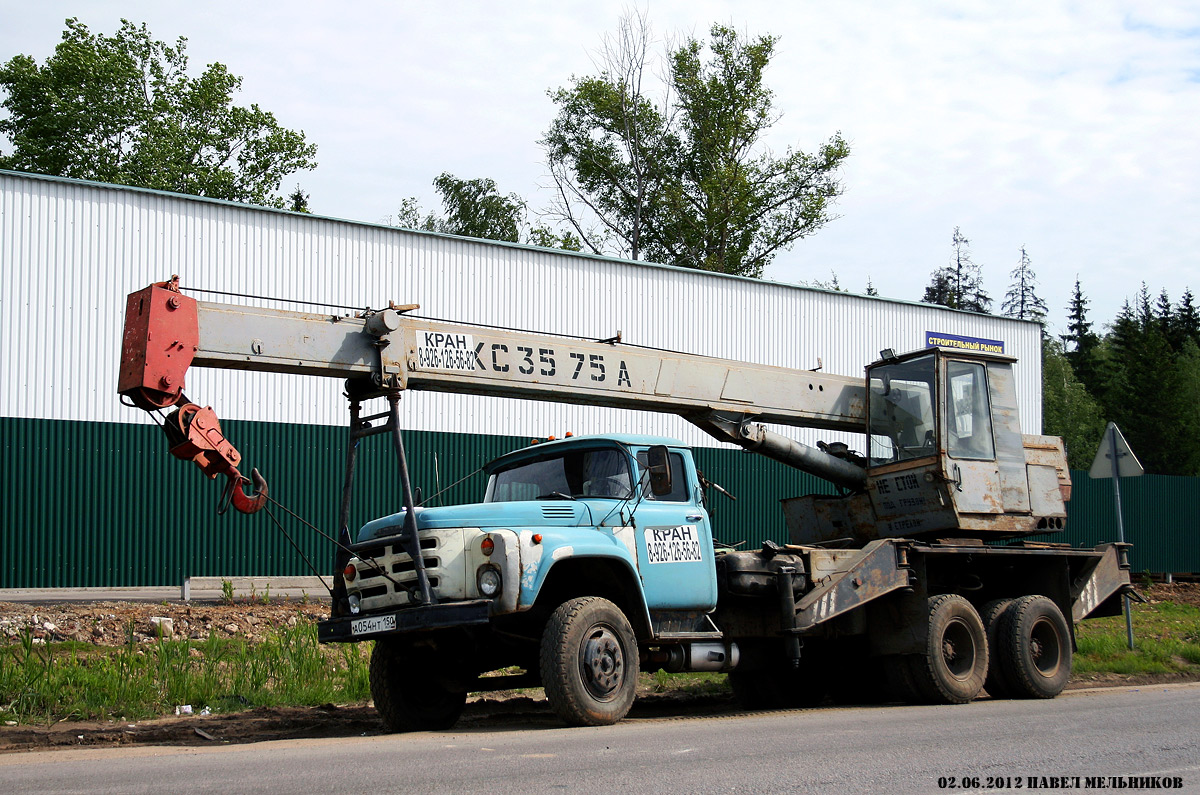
{"x": 372, "y": 624}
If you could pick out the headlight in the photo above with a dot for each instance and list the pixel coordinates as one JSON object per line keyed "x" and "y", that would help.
{"x": 354, "y": 601}
{"x": 488, "y": 579}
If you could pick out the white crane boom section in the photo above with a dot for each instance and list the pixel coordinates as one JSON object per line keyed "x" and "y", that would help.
{"x": 420, "y": 353}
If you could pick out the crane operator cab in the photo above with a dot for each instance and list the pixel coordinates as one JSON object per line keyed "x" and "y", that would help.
{"x": 945, "y": 453}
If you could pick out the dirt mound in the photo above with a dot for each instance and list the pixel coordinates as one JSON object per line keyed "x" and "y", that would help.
{"x": 114, "y": 623}
{"x": 1184, "y": 593}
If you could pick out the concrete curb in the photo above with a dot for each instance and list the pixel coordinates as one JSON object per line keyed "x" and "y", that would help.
{"x": 253, "y": 587}
{"x": 193, "y": 588}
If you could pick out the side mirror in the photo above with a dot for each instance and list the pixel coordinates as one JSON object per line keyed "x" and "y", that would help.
{"x": 658, "y": 464}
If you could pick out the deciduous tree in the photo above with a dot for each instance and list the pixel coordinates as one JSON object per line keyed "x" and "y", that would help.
{"x": 1068, "y": 410}
{"x": 123, "y": 109}
{"x": 476, "y": 208}
{"x": 685, "y": 179}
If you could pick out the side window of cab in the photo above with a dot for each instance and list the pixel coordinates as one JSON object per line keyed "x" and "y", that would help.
{"x": 679, "y": 482}
{"x": 968, "y": 414}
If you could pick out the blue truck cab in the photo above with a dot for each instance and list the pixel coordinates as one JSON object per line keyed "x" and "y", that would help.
{"x": 583, "y": 554}
{"x": 575, "y": 510}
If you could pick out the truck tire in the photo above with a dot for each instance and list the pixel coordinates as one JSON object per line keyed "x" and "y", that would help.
{"x": 954, "y": 667}
{"x": 589, "y": 662}
{"x": 992, "y": 614}
{"x": 1034, "y": 648}
{"x": 409, "y": 691}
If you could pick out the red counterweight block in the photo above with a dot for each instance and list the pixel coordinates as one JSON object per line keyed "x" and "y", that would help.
{"x": 162, "y": 333}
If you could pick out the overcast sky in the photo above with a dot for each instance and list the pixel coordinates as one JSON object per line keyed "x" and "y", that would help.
{"x": 1070, "y": 128}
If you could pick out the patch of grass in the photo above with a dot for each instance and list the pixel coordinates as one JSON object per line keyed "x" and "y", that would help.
{"x": 694, "y": 683}
{"x": 137, "y": 680}
{"x": 1166, "y": 639}
{"x": 79, "y": 681}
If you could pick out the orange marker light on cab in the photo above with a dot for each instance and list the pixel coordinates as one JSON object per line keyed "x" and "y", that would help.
{"x": 537, "y": 538}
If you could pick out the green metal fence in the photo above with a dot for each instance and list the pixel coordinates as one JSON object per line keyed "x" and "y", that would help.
{"x": 1162, "y": 519}
{"x": 103, "y": 504}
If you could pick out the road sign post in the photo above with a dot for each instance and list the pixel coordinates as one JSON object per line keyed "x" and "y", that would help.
{"x": 1114, "y": 459}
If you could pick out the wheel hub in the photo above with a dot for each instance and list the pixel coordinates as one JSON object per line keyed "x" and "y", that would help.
{"x": 603, "y": 662}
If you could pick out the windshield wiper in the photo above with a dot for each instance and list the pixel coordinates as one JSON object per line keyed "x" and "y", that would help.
{"x": 557, "y": 495}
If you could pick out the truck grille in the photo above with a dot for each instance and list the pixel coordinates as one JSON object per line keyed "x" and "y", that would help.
{"x": 375, "y": 590}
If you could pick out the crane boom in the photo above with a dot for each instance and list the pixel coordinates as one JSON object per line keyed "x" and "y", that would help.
{"x": 167, "y": 332}
{"x": 425, "y": 354}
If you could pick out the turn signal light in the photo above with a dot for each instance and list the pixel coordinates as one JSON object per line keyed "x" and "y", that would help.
{"x": 537, "y": 538}
{"x": 487, "y": 546}
{"x": 349, "y": 573}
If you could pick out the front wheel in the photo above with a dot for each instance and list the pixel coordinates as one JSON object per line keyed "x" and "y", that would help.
{"x": 589, "y": 662}
{"x": 410, "y": 689}
{"x": 955, "y": 663}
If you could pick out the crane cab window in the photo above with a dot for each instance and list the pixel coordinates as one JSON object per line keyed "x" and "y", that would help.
{"x": 679, "y": 483}
{"x": 968, "y": 415}
{"x": 901, "y": 422}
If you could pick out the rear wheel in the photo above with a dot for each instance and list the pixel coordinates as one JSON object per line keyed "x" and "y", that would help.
{"x": 996, "y": 683}
{"x": 589, "y": 662}
{"x": 411, "y": 688}
{"x": 1034, "y": 648}
{"x": 953, "y": 669}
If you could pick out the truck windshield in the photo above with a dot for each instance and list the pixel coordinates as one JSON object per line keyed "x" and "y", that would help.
{"x": 902, "y": 423}
{"x": 570, "y": 475}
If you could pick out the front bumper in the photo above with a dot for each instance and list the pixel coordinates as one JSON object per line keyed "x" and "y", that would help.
{"x": 409, "y": 619}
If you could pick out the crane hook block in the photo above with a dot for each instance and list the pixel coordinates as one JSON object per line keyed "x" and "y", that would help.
{"x": 245, "y": 503}
{"x": 162, "y": 334}
{"x": 194, "y": 434}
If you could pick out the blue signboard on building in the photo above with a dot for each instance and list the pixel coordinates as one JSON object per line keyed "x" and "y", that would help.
{"x": 936, "y": 339}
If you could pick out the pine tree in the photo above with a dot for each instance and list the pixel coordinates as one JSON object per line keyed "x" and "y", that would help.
{"x": 959, "y": 285}
{"x": 1150, "y": 389}
{"x": 1187, "y": 319}
{"x": 1164, "y": 315}
{"x": 1022, "y": 301}
{"x": 1080, "y": 342}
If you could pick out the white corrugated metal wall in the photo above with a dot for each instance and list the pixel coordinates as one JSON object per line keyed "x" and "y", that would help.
{"x": 70, "y": 251}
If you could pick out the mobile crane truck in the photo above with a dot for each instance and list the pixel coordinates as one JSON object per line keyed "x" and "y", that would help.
{"x": 592, "y": 558}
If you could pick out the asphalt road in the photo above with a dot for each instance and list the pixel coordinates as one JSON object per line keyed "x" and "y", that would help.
{"x": 1146, "y": 731}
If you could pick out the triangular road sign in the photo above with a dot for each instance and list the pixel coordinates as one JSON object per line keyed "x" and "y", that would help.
{"x": 1127, "y": 464}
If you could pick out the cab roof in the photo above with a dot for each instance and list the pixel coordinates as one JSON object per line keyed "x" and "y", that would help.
{"x": 590, "y": 441}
